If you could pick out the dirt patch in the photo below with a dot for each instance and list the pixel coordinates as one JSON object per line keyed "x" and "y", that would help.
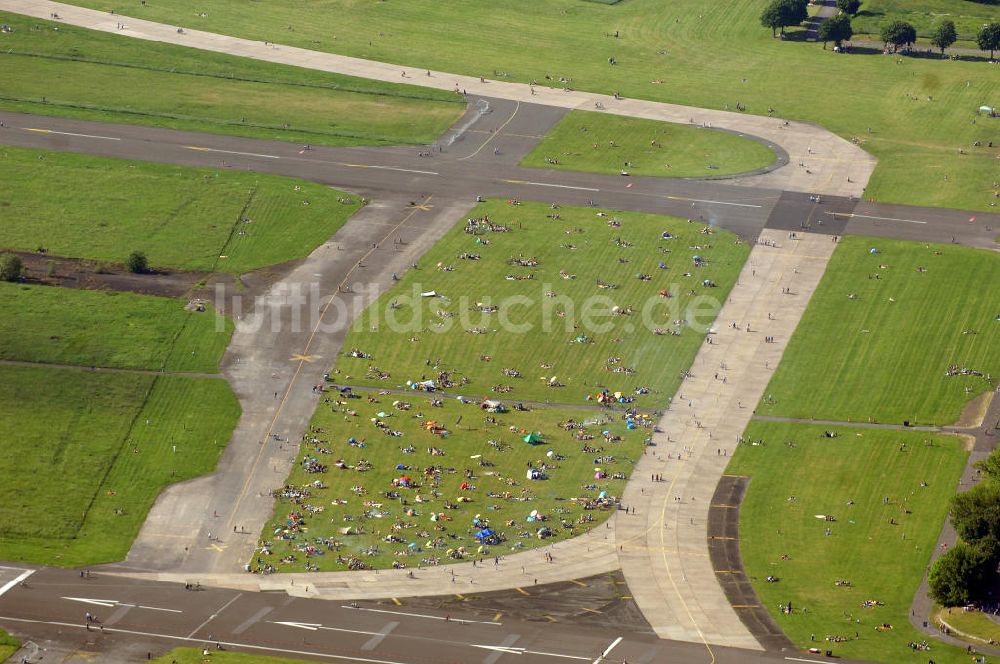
{"x": 95, "y": 275}
{"x": 48, "y": 270}
{"x": 975, "y": 411}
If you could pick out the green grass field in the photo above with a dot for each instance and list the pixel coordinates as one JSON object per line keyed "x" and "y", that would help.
{"x": 687, "y": 51}
{"x": 194, "y": 656}
{"x": 8, "y": 645}
{"x": 394, "y": 526}
{"x": 597, "y": 143}
{"x": 88, "y": 453}
{"x": 99, "y": 76}
{"x": 885, "y": 354}
{"x": 924, "y": 15}
{"x": 552, "y": 319}
{"x": 108, "y": 329}
{"x": 974, "y": 625}
{"x": 798, "y": 474}
{"x": 184, "y": 218}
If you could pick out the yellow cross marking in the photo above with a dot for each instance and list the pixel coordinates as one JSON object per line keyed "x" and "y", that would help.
{"x": 216, "y": 547}
{"x": 297, "y": 357}
{"x": 396, "y": 602}
{"x": 423, "y": 206}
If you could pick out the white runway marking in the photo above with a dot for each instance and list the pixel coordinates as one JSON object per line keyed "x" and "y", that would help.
{"x": 20, "y": 577}
{"x": 387, "y": 168}
{"x": 547, "y": 184}
{"x": 242, "y": 154}
{"x": 608, "y": 650}
{"x": 312, "y": 627}
{"x": 69, "y": 133}
{"x": 113, "y": 603}
{"x": 420, "y": 615}
{"x": 513, "y": 650}
{"x": 868, "y": 216}
{"x": 200, "y": 642}
{"x": 701, "y": 200}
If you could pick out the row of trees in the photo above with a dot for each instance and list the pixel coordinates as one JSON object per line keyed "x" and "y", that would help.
{"x": 968, "y": 571}
{"x": 901, "y": 33}
{"x": 781, "y": 14}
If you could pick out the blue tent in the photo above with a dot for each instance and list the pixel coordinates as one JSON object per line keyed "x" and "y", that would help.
{"x": 484, "y": 534}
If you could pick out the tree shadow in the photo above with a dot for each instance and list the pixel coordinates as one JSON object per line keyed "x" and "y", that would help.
{"x": 800, "y": 34}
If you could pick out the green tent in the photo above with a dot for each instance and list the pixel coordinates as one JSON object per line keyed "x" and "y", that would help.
{"x": 533, "y": 439}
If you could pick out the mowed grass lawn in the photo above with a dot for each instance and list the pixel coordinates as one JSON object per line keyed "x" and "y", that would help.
{"x": 920, "y": 112}
{"x": 561, "y": 329}
{"x": 8, "y": 645}
{"x": 182, "y": 218}
{"x": 194, "y": 656}
{"x": 924, "y": 15}
{"x": 111, "y": 78}
{"x": 917, "y": 311}
{"x": 87, "y": 454}
{"x": 109, "y": 329}
{"x": 597, "y": 143}
{"x": 880, "y": 548}
{"x": 472, "y": 467}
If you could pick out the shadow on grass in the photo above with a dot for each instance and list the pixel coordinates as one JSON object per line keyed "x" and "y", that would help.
{"x": 802, "y": 34}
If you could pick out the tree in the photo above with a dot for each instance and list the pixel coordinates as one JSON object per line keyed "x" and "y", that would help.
{"x": 990, "y": 466}
{"x": 944, "y": 35}
{"x": 137, "y": 263}
{"x": 959, "y": 576}
{"x": 782, "y": 13}
{"x": 898, "y": 33}
{"x": 988, "y": 38}
{"x": 837, "y": 29}
{"x": 976, "y": 513}
{"x": 11, "y": 267}
{"x": 849, "y": 7}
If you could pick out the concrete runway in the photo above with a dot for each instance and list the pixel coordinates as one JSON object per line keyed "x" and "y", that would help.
{"x": 140, "y": 617}
{"x": 459, "y": 167}
{"x": 464, "y": 166}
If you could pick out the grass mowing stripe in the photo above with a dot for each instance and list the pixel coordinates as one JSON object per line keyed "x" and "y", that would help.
{"x": 100, "y": 208}
{"x": 798, "y": 477}
{"x": 594, "y": 142}
{"x": 883, "y": 330}
{"x": 913, "y": 113}
{"x": 411, "y": 92}
{"x": 183, "y": 88}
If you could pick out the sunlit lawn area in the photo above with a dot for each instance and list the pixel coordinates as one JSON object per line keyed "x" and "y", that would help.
{"x": 550, "y": 305}
{"x": 920, "y": 112}
{"x": 108, "y": 329}
{"x": 347, "y": 506}
{"x": 184, "y": 218}
{"x": 884, "y": 330}
{"x": 797, "y": 477}
{"x": 87, "y": 454}
{"x": 51, "y": 68}
{"x": 611, "y": 144}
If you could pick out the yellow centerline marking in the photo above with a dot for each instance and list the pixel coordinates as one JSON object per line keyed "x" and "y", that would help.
{"x": 298, "y": 368}
{"x": 517, "y": 106}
